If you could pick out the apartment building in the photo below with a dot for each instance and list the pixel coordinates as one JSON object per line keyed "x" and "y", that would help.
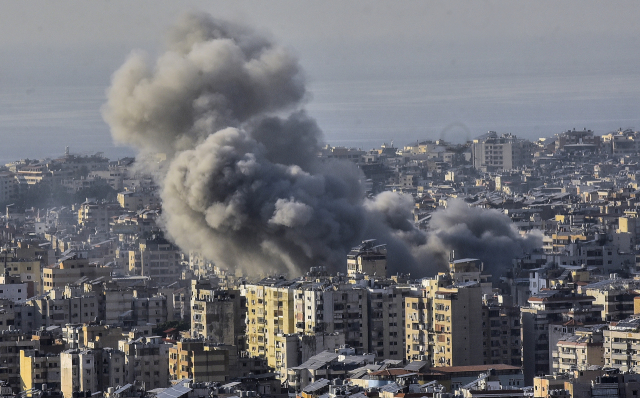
{"x": 545, "y": 308}
{"x": 491, "y": 152}
{"x": 367, "y": 258}
{"x": 11, "y": 343}
{"x": 92, "y": 214}
{"x": 146, "y": 361}
{"x": 386, "y": 321}
{"x": 217, "y": 315}
{"x": 59, "y": 309}
{"x": 159, "y": 260}
{"x": 579, "y": 351}
{"x": 334, "y": 308}
{"x": 132, "y": 201}
{"x": 193, "y": 359}
{"x": 270, "y": 316}
{"x": 501, "y": 332}
{"x": 38, "y": 369}
{"x": 70, "y": 270}
{"x": 622, "y": 345}
{"x": 90, "y": 370}
{"x": 27, "y": 270}
{"x": 615, "y": 296}
{"x": 442, "y": 320}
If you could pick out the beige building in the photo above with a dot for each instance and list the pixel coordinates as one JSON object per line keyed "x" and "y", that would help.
{"x": 71, "y": 270}
{"x": 217, "y": 315}
{"x": 192, "y": 359}
{"x": 133, "y": 201}
{"x": 270, "y": 316}
{"x": 159, "y": 260}
{"x": 622, "y": 345}
{"x": 443, "y": 318}
{"x": 367, "y": 258}
{"x": 493, "y": 153}
{"x": 27, "y": 271}
{"x": 92, "y": 214}
{"x": 91, "y": 370}
{"x": 579, "y": 351}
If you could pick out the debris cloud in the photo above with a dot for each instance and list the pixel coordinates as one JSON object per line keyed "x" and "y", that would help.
{"x": 242, "y": 183}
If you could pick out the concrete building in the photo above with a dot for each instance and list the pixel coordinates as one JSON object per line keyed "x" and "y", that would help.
{"x": 29, "y": 271}
{"x": 544, "y": 308}
{"x": 92, "y": 214}
{"x": 270, "y": 316}
{"x": 622, "y": 345}
{"x": 442, "y": 321}
{"x": 146, "y": 361}
{"x": 386, "y": 321}
{"x": 159, "y": 260}
{"x": 493, "y": 153}
{"x": 91, "y": 370}
{"x": 367, "y": 258}
{"x": 217, "y": 315}
{"x": 133, "y": 201}
{"x": 70, "y": 270}
{"x": 11, "y": 342}
{"x": 192, "y": 359}
{"x": 579, "y": 351}
{"x": 38, "y": 369}
{"x": 501, "y": 332}
{"x": 615, "y": 296}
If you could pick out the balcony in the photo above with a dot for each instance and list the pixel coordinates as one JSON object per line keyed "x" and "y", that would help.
{"x": 619, "y": 346}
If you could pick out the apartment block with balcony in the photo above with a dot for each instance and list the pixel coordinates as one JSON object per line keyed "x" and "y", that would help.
{"x": 579, "y": 351}
{"x": 622, "y": 345}
{"x": 545, "y": 308}
{"x": 217, "y": 315}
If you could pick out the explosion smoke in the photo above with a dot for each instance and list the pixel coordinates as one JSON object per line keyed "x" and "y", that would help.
{"x": 243, "y": 185}
{"x": 488, "y": 235}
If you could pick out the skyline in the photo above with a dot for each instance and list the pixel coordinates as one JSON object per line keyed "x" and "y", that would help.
{"x": 375, "y": 73}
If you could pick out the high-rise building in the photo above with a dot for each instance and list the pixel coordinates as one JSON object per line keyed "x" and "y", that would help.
{"x": 506, "y": 152}
{"x": 444, "y": 318}
{"x": 217, "y": 315}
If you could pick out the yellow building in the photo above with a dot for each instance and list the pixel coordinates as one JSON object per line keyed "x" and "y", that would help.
{"x": 443, "y": 323}
{"x": 270, "y": 316}
{"x": 37, "y": 369}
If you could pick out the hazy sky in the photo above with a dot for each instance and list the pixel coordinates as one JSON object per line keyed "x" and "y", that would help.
{"x": 376, "y": 70}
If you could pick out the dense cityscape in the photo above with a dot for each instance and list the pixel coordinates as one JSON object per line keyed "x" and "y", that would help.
{"x": 96, "y": 298}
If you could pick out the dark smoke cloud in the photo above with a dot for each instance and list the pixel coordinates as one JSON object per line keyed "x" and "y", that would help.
{"x": 242, "y": 183}
{"x": 488, "y": 235}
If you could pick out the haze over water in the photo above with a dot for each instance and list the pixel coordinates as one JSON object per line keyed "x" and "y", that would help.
{"x": 376, "y": 71}
{"x": 40, "y": 122}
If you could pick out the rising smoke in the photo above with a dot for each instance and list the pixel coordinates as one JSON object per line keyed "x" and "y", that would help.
{"x": 242, "y": 183}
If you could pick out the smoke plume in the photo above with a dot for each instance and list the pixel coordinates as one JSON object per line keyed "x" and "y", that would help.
{"x": 487, "y": 235}
{"x": 242, "y": 183}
